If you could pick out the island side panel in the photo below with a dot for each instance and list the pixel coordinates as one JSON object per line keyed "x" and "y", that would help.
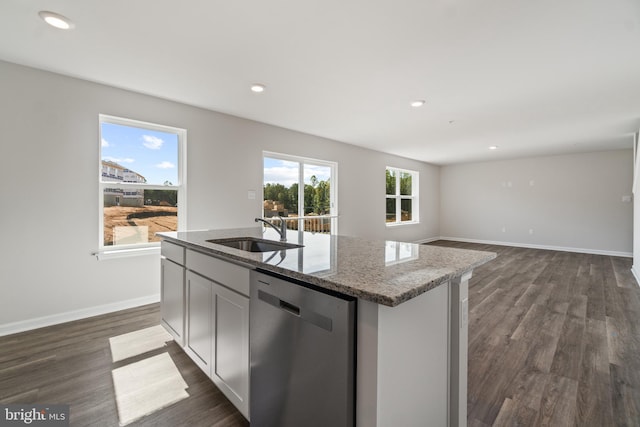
{"x": 459, "y": 350}
{"x": 367, "y": 364}
{"x": 411, "y": 348}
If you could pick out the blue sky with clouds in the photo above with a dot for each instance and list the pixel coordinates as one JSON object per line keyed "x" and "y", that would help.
{"x": 284, "y": 172}
{"x": 152, "y": 154}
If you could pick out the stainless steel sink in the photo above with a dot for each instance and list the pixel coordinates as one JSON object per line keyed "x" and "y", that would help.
{"x": 252, "y": 244}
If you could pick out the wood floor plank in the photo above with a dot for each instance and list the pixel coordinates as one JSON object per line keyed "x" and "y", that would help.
{"x": 595, "y": 391}
{"x": 578, "y": 306}
{"x": 623, "y": 341}
{"x": 559, "y": 403}
{"x": 487, "y": 396}
{"x": 616, "y": 344}
{"x": 567, "y": 360}
{"x": 528, "y": 388}
{"x": 626, "y": 397}
{"x": 472, "y": 422}
{"x": 514, "y": 414}
{"x": 541, "y": 352}
{"x": 484, "y": 291}
{"x": 595, "y": 293}
{"x": 529, "y": 296}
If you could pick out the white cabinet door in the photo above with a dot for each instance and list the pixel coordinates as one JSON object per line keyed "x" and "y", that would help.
{"x": 172, "y": 299}
{"x": 230, "y": 368}
{"x": 199, "y": 331}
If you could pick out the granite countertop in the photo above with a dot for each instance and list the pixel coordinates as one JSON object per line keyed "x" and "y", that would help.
{"x": 384, "y": 272}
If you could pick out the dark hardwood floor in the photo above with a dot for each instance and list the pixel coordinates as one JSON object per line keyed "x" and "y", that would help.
{"x": 71, "y": 364}
{"x": 554, "y": 341}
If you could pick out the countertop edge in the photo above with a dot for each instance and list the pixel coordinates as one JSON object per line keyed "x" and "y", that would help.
{"x": 389, "y": 301}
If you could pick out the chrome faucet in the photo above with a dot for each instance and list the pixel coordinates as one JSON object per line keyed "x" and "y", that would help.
{"x": 282, "y": 231}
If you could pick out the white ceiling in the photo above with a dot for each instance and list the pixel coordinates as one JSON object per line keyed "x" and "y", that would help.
{"x": 532, "y": 77}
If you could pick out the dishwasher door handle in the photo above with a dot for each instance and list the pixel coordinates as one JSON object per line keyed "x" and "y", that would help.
{"x": 307, "y": 315}
{"x": 278, "y": 303}
{"x": 290, "y": 308}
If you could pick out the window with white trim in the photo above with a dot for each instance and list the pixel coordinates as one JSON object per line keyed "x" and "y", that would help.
{"x": 402, "y": 196}
{"x": 142, "y": 186}
{"x": 302, "y": 190}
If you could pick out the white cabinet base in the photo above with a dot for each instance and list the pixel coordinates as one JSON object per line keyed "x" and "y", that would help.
{"x": 172, "y": 299}
{"x": 217, "y": 326}
{"x": 231, "y": 346}
{"x": 199, "y": 331}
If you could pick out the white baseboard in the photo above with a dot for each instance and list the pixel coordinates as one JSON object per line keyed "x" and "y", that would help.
{"x": 40, "y": 322}
{"x": 636, "y": 274}
{"x": 546, "y": 247}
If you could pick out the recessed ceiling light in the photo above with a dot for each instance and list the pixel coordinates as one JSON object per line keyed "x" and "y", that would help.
{"x": 257, "y": 87}
{"x": 493, "y": 147}
{"x": 418, "y": 103}
{"x": 56, "y": 20}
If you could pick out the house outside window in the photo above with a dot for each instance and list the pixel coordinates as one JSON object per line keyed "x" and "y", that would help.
{"x": 142, "y": 185}
{"x": 401, "y": 196}
{"x": 302, "y": 190}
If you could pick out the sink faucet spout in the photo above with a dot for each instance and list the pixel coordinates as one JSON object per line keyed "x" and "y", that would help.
{"x": 282, "y": 231}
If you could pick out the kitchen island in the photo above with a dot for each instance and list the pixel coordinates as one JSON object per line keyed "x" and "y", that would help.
{"x": 411, "y": 327}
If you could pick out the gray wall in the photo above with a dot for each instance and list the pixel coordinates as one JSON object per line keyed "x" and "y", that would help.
{"x": 569, "y": 201}
{"x": 49, "y": 205}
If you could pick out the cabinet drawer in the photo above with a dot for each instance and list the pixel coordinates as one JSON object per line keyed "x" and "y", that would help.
{"x": 230, "y": 275}
{"x": 173, "y": 252}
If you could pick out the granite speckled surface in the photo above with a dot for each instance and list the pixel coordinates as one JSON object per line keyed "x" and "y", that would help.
{"x": 384, "y": 272}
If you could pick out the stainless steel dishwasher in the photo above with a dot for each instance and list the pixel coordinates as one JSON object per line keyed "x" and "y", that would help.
{"x": 302, "y": 345}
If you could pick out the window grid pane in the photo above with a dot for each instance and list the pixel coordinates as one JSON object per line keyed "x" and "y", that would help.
{"x": 391, "y": 210}
{"x": 391, "y": 182}
{"x": 406, "y": 212}
{"x": 317, "y": 189}
{"x": 280, "y": 190}
{"x": 405, "y": 184}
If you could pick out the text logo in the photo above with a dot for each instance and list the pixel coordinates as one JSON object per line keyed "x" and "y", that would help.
{"x": 34, "y": 415}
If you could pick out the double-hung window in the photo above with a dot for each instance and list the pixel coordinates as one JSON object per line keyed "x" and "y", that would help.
{"x": 302, "y": 190}
{"x": 142, "y": 187}
{"x": 402, "y": 196}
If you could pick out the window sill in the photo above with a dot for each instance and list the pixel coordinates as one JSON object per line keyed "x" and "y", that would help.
{"x": 397, "y": 224}
{"x": 106, "y": 254}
